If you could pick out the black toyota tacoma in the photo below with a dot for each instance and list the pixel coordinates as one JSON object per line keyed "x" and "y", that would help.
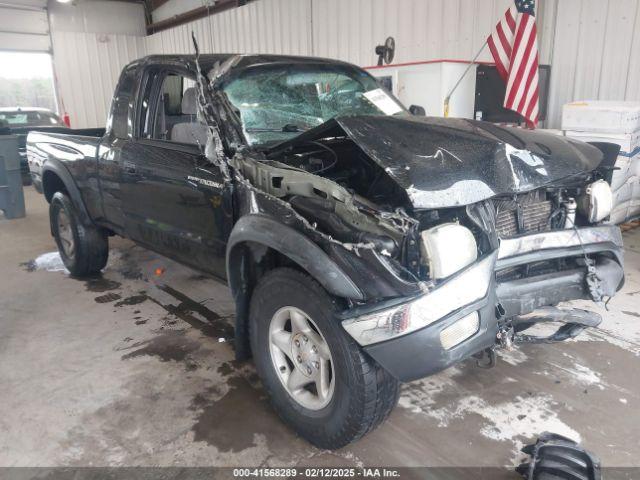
{"x": 363, "y": 245}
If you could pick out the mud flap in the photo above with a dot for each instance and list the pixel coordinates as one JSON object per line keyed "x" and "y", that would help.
{"x": 574, "y": 322}
{"x": 556, "y": 457}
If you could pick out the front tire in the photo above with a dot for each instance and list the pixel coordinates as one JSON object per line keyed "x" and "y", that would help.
{"x": 319, "y": 380}
{"x": 84, "y": 250}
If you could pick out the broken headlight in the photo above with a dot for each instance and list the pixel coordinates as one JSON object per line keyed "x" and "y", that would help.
{"x": 448, "y": 248}
{"x": 465, "y": 288}
{"x": 596, "y": 202}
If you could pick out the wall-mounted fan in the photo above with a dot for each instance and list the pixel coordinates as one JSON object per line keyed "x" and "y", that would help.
{"x": 387, "y": 51}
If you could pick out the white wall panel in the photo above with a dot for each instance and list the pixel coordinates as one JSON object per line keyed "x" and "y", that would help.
{"x": 87, "y": 67}
{"x": 596, "y": 52}
{"x": 423, "y": 29}
{"x": 265, "y": 26}
{"x": 632, "y": 91}
{"x": 92, "y": 41}
{"x": 592, "y": 45}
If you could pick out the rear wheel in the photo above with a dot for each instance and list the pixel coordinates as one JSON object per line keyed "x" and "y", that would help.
{"x": 84, "y": 250}
{"x": 319, "y": 380}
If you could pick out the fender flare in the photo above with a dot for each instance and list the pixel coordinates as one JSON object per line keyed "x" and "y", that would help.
{"x": 267, "y": 231}
{"x": 55, "y": 166}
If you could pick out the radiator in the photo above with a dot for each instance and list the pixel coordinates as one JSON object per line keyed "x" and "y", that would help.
{"x": 534, "y": 211}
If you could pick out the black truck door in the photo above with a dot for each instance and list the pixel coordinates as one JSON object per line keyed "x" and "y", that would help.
{"x": 118, "y": 133}
{"x": 175, "y": 200}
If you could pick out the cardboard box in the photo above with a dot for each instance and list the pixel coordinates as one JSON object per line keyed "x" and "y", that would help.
{"x": 629, "y": 142}
{"x": 628, "y": 162}
{"x": 598, "y": 116}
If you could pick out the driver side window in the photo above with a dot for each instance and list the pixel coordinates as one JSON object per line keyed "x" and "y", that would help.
{"x": 170, "y": 111}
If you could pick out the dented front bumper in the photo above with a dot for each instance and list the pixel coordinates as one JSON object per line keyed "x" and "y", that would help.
{"x": 415, "y": 337}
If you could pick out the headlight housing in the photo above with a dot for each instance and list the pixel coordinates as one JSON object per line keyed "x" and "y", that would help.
{"x": 447, "y": 249}
{"x": 596, "y": 202}
{"x": 461, "y": 290}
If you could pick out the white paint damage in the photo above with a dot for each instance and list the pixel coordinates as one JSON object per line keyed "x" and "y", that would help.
{"x": 518, "y": 421}
{"x": 514, "y": 356}
{"x": 420, "y": 396}
{"x": 581, "y": 374}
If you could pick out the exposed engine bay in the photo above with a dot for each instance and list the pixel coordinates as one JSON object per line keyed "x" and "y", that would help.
{"x": 335, "y": 185}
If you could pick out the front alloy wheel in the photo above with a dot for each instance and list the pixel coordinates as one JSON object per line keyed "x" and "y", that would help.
{"x": 65, "y": 234}
{"x": 302, "y": 358}
{"x": 318, "y": 379}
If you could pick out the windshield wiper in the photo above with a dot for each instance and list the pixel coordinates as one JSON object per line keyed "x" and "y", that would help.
{"x": 288, "y": 128}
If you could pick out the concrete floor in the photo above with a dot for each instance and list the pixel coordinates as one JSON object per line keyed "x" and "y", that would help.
{"x": 134, "y": 368}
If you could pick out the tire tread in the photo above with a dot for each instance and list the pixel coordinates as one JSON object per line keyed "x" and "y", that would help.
{"x": 376, "y": 391}
{"x": 92, "y": 249}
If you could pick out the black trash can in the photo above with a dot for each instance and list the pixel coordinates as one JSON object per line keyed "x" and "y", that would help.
{"x": 11, "y": 193}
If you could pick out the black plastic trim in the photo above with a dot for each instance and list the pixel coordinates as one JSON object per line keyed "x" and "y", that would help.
{"x": 55, "y": 166}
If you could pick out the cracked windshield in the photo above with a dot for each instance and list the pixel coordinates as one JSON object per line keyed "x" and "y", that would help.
{"x": 276, "y": 104}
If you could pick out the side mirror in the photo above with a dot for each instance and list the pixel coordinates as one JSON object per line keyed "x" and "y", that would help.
{"x": 417, "y": 110}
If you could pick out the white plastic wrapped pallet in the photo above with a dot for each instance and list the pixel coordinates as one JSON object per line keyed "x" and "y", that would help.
{"x": 613, "y": 122}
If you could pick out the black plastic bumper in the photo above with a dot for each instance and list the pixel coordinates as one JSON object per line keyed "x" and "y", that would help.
{"x": 420, "y": 353}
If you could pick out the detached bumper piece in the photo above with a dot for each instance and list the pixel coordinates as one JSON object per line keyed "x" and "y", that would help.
{"x": 556, "y": 457}
{"x": 574, "y": 322}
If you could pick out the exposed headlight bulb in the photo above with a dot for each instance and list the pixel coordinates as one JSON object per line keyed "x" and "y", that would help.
{"x": 448, "y": 248}
{"x": 596, "y": 202}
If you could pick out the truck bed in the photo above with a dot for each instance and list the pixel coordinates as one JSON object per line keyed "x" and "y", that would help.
{"x": 75, "y": 150}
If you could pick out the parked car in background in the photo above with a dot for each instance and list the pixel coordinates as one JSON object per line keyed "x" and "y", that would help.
{"x": 20, "y": 121}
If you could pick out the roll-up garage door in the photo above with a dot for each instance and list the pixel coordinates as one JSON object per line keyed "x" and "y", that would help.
{"x": 24, "y": 26}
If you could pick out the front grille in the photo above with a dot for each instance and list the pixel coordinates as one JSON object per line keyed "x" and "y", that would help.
{"x": 527, "y": 213}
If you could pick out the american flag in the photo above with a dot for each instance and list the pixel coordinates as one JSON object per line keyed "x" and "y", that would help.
{"x": 514, "y": 47}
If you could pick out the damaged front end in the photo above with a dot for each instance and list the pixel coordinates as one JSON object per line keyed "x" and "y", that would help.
{"x": 437, "y": 285}
{"x": 437, "y": 237}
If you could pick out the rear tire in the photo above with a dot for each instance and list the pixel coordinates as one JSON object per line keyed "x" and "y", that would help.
{"x": 84, "y": 250}
{"x": 361, "y": 395}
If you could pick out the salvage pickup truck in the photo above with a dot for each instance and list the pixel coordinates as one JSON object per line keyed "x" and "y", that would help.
{"x": 364, "y": 246}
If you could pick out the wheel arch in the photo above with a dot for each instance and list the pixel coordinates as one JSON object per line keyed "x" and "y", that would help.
{"x": 56, "y": 178}
{"x": 257, "y": 236}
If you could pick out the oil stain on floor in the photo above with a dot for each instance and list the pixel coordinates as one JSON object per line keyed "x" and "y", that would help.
{"x": 171, "y": 345}
{"x": 100, "y": 284}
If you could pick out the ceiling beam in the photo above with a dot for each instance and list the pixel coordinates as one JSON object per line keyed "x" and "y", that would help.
{"x": 191, "y": 15}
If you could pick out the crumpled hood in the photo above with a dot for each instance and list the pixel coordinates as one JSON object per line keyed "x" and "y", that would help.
{"x": 443, "y": 162}
{"x": 450, "y": 162}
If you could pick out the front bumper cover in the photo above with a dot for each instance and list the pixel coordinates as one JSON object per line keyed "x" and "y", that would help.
{"x": 410, "y": 347}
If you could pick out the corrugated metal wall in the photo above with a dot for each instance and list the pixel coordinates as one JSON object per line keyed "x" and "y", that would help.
{"x": 596, "y": 52}
{"x": 87, "y": 67}
{"x": 592, "y": 45}
{"x": 349, "y": 30}
{"x": 264, "y": 26}
{"x": 92, "y": 41}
